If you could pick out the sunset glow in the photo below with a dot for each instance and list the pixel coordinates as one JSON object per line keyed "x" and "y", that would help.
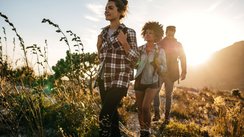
{"x": 202, "y": 27}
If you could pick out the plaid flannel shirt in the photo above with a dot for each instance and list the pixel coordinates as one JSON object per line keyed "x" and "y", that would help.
{"x": 117, "y": 65}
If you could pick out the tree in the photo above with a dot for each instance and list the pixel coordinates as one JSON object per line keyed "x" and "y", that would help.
{"x": 79, "y": 68}
{"x": 90, "y": 63}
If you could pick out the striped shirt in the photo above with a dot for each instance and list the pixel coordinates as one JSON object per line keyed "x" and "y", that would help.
{"x": 116, "y": 66}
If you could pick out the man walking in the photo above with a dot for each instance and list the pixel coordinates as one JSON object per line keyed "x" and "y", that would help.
{"x": 174, "y": 52}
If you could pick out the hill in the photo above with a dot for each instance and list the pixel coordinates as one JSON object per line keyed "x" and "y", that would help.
{"x": 225, "y": 70}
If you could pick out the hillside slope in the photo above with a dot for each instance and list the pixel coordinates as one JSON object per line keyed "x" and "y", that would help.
{"x": 225, "y": 70}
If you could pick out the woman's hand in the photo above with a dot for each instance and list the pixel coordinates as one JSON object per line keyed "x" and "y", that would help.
{"x": 122, "y": 38}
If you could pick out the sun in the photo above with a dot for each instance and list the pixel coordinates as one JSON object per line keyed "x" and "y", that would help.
{"x": 198, "y": 53}
{"x": 195, "y": 58}
{"x": 201, "y": 35}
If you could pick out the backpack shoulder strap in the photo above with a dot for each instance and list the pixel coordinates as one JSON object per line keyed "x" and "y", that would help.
{"x": 125, "y": 30}
{"x": 156, "y": 51}
{"x": 156, "y": 55}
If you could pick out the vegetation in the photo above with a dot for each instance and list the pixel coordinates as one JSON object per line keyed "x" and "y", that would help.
{"x": 48, "y": 105}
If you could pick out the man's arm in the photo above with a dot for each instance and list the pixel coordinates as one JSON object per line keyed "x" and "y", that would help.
{"x": 183, "y": 62}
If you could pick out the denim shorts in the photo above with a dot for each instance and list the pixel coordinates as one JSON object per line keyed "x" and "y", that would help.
{"x": 142, "y": 87}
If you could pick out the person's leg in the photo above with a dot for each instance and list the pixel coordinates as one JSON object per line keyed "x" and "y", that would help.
{"x": 156, "y": 104}
{"x": 108, "y": 112}
{"x": 156, "y": 101}
{"x": 146, "y": 105}
{"x": 168, "y": 92}
{"x": 102, "y": 90}
{"x": 139, "y": 100}
{"x": 115, "y": 132}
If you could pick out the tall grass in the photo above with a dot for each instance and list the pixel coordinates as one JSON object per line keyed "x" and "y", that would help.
{"x": 22, "y": 44}
{"x": 31, "y": 112}
{"x": 27, "y": 110}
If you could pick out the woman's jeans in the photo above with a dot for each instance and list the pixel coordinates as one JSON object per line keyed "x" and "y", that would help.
{"x": 109, "y": 117}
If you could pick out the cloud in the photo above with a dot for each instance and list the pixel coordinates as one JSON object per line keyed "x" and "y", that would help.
{"x": 97, "y": 9}
{"x": 92, "y": 18}
{"x": 213, "y": 6}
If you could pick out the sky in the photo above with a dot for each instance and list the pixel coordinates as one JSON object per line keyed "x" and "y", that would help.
{"x": 202, "y": 26}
